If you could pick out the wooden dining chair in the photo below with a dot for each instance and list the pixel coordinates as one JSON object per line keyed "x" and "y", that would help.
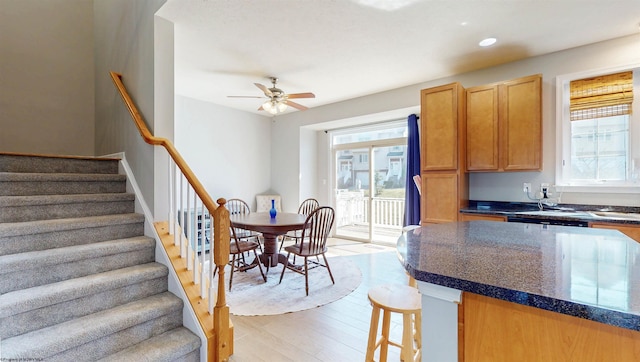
{"x": 237, "y": 207}
{"x": 305, "y": 208}
{"x": 313, "y": 242}
{"x": 237, "y": 249}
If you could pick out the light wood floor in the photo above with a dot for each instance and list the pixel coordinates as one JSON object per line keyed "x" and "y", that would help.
{"x": 334, "y": 332}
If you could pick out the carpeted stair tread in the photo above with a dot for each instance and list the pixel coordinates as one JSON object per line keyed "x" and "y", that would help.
{"x": 75, "y": 333}
{"x": 13, "y": 184}
{"x": 24, "y": 300}
{"x": 43, "y": 226}
{"x": 57, "y": 164}
{"x": 60, "y": 177}
{"x": 38, "y": 200}
{"x": 169, "y": 346}
{"x": 41, "y": 258}
{"x": 43, "y": 207}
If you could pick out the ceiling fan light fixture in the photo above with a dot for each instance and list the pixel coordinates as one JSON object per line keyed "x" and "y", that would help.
{"x": 277, "y": 100}
{"x": 274, "y": 107}
{"x": 271, "y": 106}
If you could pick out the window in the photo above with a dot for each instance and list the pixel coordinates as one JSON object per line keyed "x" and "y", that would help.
{"x": 370, "y": 133}
{"x": 600, "y": 149}
{"x": 369, "y": 194}
{"x": 598, "y": 135}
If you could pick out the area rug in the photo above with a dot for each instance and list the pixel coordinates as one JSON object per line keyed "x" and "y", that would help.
{"x": 251, "y": 296}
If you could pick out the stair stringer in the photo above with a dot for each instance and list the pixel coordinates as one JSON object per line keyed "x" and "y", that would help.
{"x": 189, "y": 319}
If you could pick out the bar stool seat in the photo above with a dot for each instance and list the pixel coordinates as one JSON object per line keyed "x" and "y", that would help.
{"x": 395, "y": 298}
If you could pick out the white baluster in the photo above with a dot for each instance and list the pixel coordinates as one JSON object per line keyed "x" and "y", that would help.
{"x": 183, "y": 253}
{"x": 171, "y": 176}
{"x": 203, "y": 252}
{"x": 191, "y": 224}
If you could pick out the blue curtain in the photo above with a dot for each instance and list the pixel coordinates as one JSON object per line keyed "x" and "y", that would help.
{"x": 412, "y": 197}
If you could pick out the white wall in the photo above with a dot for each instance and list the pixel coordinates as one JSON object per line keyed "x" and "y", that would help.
{"x": 228, "y": 150}
{"x": 484, "y": 186}
{"x": 124, "y": 43}
{"x": 308, "y": 165}
{"x": 46, "y": 67}
{"x": 164, "y": 111}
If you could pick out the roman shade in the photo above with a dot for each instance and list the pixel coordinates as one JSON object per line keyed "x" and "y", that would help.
{"x": 601, "y": 96}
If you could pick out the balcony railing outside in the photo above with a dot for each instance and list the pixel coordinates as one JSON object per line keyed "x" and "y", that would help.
{"x": 352, "y": 209}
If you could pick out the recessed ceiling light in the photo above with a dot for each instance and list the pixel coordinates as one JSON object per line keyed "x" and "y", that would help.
{"x": 487, "y": 42}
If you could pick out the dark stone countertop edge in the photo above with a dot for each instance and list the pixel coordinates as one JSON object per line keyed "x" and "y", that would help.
{"x": 584, "y": 311}
{"x": 560, "y": 212}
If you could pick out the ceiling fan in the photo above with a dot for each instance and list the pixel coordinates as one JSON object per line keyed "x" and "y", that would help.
{"x": 278, "y": 100}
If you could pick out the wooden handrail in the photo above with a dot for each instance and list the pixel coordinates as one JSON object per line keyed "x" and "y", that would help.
{"x": 220, "y": 347}
{"x": 160, "y": 141}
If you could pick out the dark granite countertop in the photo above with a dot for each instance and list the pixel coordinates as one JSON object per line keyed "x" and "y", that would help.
{"x": 586, "y": 213}
{"x": 583, "y": 272}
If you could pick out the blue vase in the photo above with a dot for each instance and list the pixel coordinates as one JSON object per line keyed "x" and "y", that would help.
{"x": 273, "y": 211}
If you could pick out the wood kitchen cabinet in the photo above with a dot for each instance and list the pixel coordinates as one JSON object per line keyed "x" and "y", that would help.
{"x": 440, "y": 197}
{"x": 504, "y": 126}
{"x": 440, "y": 120}
{"x": 444, "y": 183}
{"x": 499, "y": 331}
{"x": 632, "y": 231}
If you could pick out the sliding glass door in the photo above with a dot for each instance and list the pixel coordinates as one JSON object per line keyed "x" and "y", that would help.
{"x": 369, "y": 179}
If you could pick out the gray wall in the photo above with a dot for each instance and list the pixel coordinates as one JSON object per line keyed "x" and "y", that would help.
{"x": 46, "y": 77}
{"x": 483, "y": 186}
{"x": 124, "y": 42}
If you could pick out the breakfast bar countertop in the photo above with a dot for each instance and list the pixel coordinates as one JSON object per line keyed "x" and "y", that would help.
{"x": 582, "y": 272}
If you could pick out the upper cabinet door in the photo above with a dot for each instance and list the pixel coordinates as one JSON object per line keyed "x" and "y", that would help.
{"x": 439, "y": 116}
{"x": 521, "y": 124}
{"x": 504, "y": 126}
{"x": 482, "y": 128}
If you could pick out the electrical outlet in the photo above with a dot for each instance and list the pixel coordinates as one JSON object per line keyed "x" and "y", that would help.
{"x": 526, "y": 186}
{"x": 544, "y": 189}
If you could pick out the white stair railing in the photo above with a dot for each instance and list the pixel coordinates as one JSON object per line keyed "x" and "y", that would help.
{"x": 191, "y": 228}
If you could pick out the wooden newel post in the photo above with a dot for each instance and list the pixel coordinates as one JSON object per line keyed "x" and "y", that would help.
{"x": 221, "y": 237}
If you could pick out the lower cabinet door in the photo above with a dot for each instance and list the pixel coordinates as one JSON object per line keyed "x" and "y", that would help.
{"x": 439, "y": 197}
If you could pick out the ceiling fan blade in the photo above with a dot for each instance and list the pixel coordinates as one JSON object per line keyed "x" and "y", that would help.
{"x": 245, "y": 97}
{"x": 263, "y": 88}
{"x": 301, "y": 95}
{"x": 296, "y": 105}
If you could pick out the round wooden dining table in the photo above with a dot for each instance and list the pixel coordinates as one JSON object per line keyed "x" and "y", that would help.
{"x": 270, "y": 228}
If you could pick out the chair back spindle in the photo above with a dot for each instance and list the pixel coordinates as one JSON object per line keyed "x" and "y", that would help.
{"x": 307, "y": 206}
{"x": 237, "y": 206}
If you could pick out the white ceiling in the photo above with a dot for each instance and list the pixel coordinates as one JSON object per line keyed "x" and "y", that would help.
{"x": 343, "y": 49}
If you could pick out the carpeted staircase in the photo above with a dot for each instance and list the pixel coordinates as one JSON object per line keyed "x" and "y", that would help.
{"x": 78, "y": 281}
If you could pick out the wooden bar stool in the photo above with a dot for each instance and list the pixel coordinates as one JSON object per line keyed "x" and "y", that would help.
{"x": 395, "y": 298}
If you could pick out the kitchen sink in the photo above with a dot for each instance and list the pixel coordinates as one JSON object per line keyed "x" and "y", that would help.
{"x": 615, "y": 215}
